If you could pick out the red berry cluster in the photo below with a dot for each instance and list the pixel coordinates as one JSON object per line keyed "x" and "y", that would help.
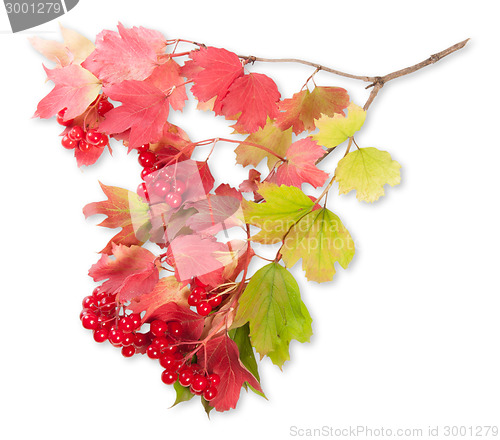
{"x": 77, "y": 137}
{"x": 102, "y": 315}
{"x": 203, "y": 301}
{"x": 175, "y": 362}
{"x": 158, "y": 186}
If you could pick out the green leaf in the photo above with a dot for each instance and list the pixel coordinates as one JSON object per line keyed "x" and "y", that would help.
{"x": 335, "y": 130}
{"x": 271, "y": 304}
{"x": 367, "y": 170}
{"x": 320, "y": 239}
{"x": 206, "y": 406}
{"x": 241, "y": 336}
{"x": 284, "y": 206}
{"x": 183, "y": 394}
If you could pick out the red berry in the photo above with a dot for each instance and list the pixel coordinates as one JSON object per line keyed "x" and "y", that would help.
{"x": 169, "y": 362}
{"x": 60, "y": 118}
{"x": 84, "y": 146}
{"x": 158, "y": 327}
{"x": 204, "y": 308}
{"x": 126, "y": 325}
{"x": 199, "y": 382}
{"x": 101, "y": 335}
{"x": 175, "y": 329}
{"x": 171, "y": 349}
{"x": 179, "y": 187}
{"x": 161, "y": 188}
{"x": 89, "y": 321}
{"x": 147, "y": 159}
{"x": 143, "y": 148}
{"x": 107, "y": 304}
{"x": 214, "y": 379}
{"x": 209, "y": 394}
{"x": 116, "y": 336}
{"x": 169, "y": 377}
{"x": 200, "y": 291}
{"x": 103, "y": 142}
{"x": 93, "y": 136}
{"x": 215, "y": 301}
{"x": 105, "y": 321}
{"x": 185, "y": 377}
{"x": 141, "y": 340}
{"x": 98, "y": 293}
{"x": 142, "y": 191}
{"x": 76, "y": 133}
{"x": 128, "y": 339}
{"x": 68, "y": 143}
{"x": 128, "y": 351}
{"x": 89, "y": 302}
{"x": 193, "y": 300}
{"x": 104, "y": 107}
{"x": 146, "y": 172}
{"x": 84, "y": 312}
{"x": 167, "y": 173}
{"x": 136, "y": 320}
{"x": 173, "y": 200}
{"x": 153, "y": 352}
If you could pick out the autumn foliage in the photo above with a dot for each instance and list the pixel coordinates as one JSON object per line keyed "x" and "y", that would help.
{"x": 196, "y": 294}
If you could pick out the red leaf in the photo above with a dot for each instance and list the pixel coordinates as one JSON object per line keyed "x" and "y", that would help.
{"x": 304, "y": 107}
{"x": 221, "y": 356}
{"x": 300, "y": 166}
{"x": 132, "y": 273}
{"x": 129, "y": 54}
{"x": 145, "y": 105}
{"x": 254, "y": 96}
{"x": 213, "y": 71}
{"x": 88, "y": 157}
{"x": 167, "y": 290}
{"x": 75, "y": 89}
{"x": 250, "y": 184}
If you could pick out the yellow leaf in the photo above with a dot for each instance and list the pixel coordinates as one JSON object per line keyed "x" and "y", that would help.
{"x": 367, "y": 170}
{"x": 333, "y": 131}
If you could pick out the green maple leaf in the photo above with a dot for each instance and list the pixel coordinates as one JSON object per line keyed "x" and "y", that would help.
{"x": 367, "y": 170}
{"x": 321, "y": 240}
{"x": 284, "y": 206}
{"x": 271, "y": 304}
{"x": 335, "y": 130}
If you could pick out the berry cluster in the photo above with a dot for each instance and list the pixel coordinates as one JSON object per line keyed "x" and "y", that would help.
{"x": 105, "y": 318}
{"x": 177, "y": 364}
{"x": 159, "y": 185}
{"x": 203, "y": 301}
{"x": 101, "y": 314}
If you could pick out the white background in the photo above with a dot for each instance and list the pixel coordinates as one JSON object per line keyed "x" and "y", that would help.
{"x": 408, "y": 336}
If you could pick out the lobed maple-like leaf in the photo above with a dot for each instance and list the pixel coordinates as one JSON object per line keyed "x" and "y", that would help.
{"x": 335, "y": 130}
{"x": 74, "y": 49}
{"x": 75, "y": 89}
{"x": 272, "y": 305}
{"x": 300, "y": 166}
{"x": 221, "y": 356}
{"x": 283, "y": 207}
{"x": 254, "y": 98}
{"x": 270, "y": 136}
{"x": 300, "y": 111}
{"x": 129, "y": 54}
{"x": 124, "y": 209}
{"x": 167, "y": 290}
{"x": 320, "y": 239}
{"x": 213, "y": 71}
{"x": 252, "y": 183}
{"x": 367, "y": 170}
{"x": 145, "y": 105}
{"x": 132, "y": 273}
